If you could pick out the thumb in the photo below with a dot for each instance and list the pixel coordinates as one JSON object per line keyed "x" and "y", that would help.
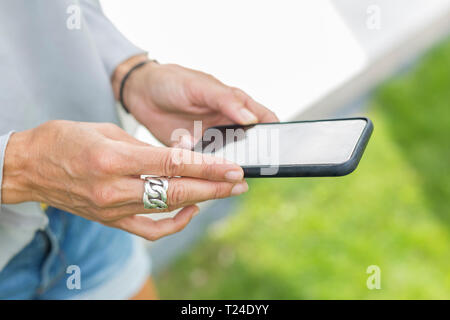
{"x": 229, "y": 101}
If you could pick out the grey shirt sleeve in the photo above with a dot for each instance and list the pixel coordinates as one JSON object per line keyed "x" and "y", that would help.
{"x": 3, "y": 142}
{"x": 112, "y": 46}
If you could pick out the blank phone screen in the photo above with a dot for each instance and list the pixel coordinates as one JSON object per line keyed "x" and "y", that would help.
{"x": 302, "y": 143}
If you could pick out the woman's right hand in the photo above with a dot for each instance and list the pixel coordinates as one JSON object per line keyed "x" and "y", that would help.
{"x": 93, "y": 170}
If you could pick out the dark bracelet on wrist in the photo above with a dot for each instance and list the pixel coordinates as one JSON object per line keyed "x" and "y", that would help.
{"x": 124, "y": 79}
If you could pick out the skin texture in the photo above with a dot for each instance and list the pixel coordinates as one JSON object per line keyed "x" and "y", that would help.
{"x": 93, "y": 169}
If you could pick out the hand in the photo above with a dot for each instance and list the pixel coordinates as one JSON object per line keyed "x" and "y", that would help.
{"x": 167, "y": 97}
{"x": 93, "y": 170}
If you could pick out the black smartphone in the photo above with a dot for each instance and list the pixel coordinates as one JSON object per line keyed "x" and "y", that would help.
{"x": 317, "y": 148}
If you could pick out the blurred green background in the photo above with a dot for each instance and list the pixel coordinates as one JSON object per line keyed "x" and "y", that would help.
{"x": 313, "y": 238}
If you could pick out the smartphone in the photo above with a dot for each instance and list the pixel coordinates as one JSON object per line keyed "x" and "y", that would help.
{"x": 317, "y": 148}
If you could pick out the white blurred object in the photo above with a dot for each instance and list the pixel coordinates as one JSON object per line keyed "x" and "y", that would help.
{"x": 398, "y": 20}
{"x": 285, "y": 54}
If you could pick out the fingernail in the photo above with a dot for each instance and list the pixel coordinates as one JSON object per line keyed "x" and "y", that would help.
{"x": 239, "y": 188}
{"x": 234, "y": 175}
{"x": 247, "y": 116}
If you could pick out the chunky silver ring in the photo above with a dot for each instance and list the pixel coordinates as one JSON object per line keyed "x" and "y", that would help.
{"x": 155, "y": 192}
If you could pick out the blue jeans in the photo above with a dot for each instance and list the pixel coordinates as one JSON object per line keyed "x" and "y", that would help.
{"x": 99, "y": 253}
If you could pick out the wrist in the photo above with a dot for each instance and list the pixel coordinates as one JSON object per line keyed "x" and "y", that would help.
{"x": 15, "y": 184}
{"x": 122, "y": 69}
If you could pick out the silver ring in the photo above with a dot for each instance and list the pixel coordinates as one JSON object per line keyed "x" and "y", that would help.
{"x": 155, "y": 192}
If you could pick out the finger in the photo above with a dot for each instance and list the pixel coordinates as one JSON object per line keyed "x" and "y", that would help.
{"x": 152, "y": 230}
{"x": 124, "y": 199}
{"x": 117, "y": 213}
{"x": 263, "y": 114}
{"x": 222, "y": 98}
{"x": 171, "y": 162}
{"x": 180, "y": 192}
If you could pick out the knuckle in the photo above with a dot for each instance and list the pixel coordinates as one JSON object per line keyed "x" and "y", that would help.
{"x": 209, "y": 170}
{"x": 172, "y": 163}
{"x": 220, "y": 191}
{"x": 104, "y": 196}
{"x": 179, "y": 194}
{"x": 105, "y": 160}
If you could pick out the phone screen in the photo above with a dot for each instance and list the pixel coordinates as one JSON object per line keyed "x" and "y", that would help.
{"x": 298, "y": 143}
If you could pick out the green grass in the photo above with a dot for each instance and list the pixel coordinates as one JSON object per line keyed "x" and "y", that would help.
{"x": 314, "y": 238}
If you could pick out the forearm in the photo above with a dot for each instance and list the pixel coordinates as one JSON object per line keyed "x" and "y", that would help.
{"x": 15, "y": 184}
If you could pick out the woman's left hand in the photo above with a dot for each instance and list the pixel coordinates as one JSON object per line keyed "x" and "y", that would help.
{"x": 167, "y": 97}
